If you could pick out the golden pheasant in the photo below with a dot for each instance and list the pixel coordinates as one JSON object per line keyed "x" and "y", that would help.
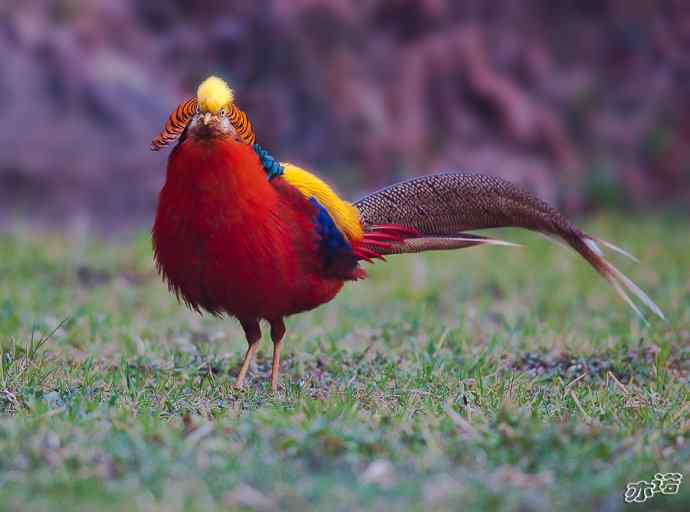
{"x": 238, "y": 233}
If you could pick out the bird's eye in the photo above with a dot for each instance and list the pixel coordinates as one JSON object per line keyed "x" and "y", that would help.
{"x": 222, "y": 112}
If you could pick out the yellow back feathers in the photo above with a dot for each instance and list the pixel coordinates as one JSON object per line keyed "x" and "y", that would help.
{"x": 214, "y": 94}
{"x": 345, "y": 216}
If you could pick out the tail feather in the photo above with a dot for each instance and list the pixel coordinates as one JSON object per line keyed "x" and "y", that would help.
{"x": 617, "y": 249}
{"x": 435, "y": 212}
{"x": 412, "y": 245}
{"x": 588, "y": 247}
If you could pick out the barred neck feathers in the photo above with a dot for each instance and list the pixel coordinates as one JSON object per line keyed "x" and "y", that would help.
{"x": 345, "y": 216}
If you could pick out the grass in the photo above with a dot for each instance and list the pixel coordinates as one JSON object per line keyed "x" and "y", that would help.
{"x": 494, "y": 378}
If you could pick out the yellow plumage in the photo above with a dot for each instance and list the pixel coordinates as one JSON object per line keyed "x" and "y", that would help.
{"x": 214, "y": 94}
{"x": 345, "y": 216}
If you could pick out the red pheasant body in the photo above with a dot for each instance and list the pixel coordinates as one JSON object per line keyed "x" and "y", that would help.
{"x": 230, "y": 241}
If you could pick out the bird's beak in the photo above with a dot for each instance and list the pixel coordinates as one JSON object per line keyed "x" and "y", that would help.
{"x": 207, "y": 118}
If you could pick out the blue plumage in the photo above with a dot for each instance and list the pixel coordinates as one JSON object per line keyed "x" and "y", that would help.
{"x": 270, "y": 164}
{"x": 333, "y": 243}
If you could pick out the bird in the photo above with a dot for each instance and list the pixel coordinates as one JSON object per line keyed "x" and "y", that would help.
{"x": 241, "y": 234}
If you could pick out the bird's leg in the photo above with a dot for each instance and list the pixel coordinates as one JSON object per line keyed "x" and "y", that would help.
{"x": 252, "y": 332}
{"x": 277, "y": 333}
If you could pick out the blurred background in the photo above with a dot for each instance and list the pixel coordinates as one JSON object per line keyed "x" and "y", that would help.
{"x": 585, "y": 102}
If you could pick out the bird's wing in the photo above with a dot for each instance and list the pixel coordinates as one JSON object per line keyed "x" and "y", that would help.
{"x": 336, "y": 222}
{"x": 437, "y": 211}
{"x": 345, "y": 216}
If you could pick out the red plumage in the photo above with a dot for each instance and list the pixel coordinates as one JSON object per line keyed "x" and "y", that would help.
{"x": 230, "y": 241}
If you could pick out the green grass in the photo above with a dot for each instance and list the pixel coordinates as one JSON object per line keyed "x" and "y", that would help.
{"x": 491, "y": 378}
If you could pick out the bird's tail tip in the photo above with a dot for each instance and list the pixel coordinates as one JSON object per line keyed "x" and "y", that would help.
{"x": 623, "y": 285}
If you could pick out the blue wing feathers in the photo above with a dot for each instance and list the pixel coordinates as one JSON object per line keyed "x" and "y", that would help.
{"x": 333, "y": 243}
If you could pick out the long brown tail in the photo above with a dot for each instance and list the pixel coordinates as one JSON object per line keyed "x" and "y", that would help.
{"x": 442, "y": 207}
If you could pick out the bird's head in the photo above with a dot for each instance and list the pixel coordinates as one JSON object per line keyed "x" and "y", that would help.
{"x": 214, "y": 100}
{"x": 212, "y": 113}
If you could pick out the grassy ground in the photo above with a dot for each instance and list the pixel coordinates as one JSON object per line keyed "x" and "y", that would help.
{"x": 493, "y": 378}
